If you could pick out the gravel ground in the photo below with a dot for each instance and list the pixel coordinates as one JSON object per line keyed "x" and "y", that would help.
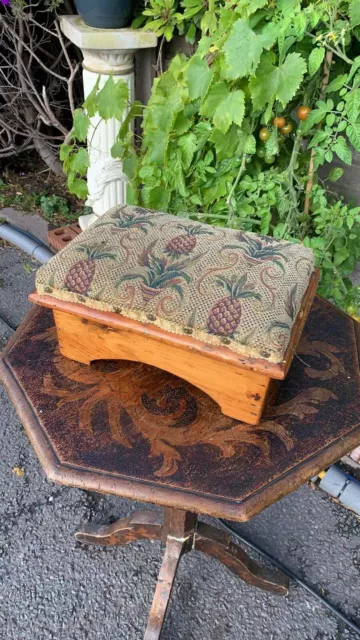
{"x": 51, "y": 587}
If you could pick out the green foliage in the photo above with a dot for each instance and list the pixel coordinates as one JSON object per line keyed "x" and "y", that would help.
{"x": 335, "y": 240}
{"x": 316, "y": 59}
{"x": 169, "y": 17}
{"x": 200, "y": 154}
{"x": 161, "y": 16}
{"x": 243, "y": 48}
{"x": 276, "y": 82}
{"x": 53, "y": 206}
{"x": 354, "y": 11}
{"x": 198, "y": 76}
{"x": 108, "y": 101}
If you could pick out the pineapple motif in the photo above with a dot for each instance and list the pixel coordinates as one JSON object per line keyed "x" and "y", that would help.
{"x": 261, "y": 249}
{"x": 123, "y": 220}
{"x": 185, "y": 243}
{"x": 224, "y": 317}
{"x": 81, "y": 274}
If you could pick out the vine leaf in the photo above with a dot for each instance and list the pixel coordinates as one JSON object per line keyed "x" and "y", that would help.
{"x": 272, "y": 144}
{"x": 277, "y": 83}
{"x": 225, "y": 144}
{"x": 198, "y": 76}
{"x": 354, "y": 10}
{"x": 187, "y": 144}
{"x": 158, "y": 198}
{"x": 244, "y": 47}
{"x": 342, "y": 150}
{"x": 157, "y": 143}
{"x": 65, "y": 151}
{"x": 182, "y": 124}
{"x": 112, "y": 99}
{"x": 315, "y": 117}
{"x": 299, "y": 25}
{"x": 288, "y": 77}
{"x": 250, "y": 145}
{"x": 353, "y": 133}
{"x": 337, "y": 83}
{"x": 77, "y": 186}
{"x": 287, "y": 6}
{"x": 79, "y": 161}
{"x": 316, "y": 58}
{"x": 136, "y": 111}
{"x": 216, "y": 94}
{"x": 353, "y": 105}
{"x": 335, "y": 174}
{"x": 254, "y": 5}
{"x": 81, "y": 124}
{"x": 231, "y": 110}
{"x": 90, "y": 103}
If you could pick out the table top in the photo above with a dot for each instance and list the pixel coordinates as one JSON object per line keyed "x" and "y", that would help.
{"x": 135, "y": 431}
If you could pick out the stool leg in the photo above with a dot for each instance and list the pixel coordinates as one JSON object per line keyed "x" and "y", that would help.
{"x": 141, "y": 525}
{"x": 178, "y": 534}
{"x": 218, "y": 544}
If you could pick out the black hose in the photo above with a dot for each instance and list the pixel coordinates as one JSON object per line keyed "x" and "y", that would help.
{"x": 291, "y": 575}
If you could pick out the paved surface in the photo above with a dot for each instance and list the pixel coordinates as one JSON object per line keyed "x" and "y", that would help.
{"x": 53, "y": 588}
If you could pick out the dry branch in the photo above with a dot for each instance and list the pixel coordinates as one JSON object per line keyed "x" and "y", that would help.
{"x": 38, "y": 79}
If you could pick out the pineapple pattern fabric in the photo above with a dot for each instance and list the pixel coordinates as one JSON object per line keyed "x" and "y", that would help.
{"x": 220, "y": 286}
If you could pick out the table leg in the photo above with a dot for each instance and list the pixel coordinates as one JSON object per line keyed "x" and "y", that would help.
{"x": 173, "y": 553}
{"x": 181, "y": 532}
{"x": 178, "y": 534}
{"x": 220, "y": 545}
{"x": 141, "y": 525}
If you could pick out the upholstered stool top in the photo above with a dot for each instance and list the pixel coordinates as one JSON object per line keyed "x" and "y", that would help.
{"x": 221, "y": 286}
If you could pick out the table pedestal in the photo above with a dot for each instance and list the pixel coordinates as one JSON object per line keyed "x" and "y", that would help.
{"x": 181, "y": 532}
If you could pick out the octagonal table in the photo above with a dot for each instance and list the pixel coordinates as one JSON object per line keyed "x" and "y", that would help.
{"x": 135, "y": 431}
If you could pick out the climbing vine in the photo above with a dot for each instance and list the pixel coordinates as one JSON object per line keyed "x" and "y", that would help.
{"x": 236, "y": 134}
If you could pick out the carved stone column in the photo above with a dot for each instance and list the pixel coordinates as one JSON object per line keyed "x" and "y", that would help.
{"x": 106, "y": 53}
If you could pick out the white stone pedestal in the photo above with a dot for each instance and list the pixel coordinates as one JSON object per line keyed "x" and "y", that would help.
{"x": 106, "y": 52}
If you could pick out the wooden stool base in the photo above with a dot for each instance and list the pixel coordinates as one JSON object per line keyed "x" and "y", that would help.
{"x": 181, "y": 532}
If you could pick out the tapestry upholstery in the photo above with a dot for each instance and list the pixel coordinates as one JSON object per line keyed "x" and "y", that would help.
{"x": 221, "y": 286}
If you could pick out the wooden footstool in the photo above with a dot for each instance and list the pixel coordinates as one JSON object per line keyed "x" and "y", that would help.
{"x": 137, "y": 432}
{"x": 220, "y": 308}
